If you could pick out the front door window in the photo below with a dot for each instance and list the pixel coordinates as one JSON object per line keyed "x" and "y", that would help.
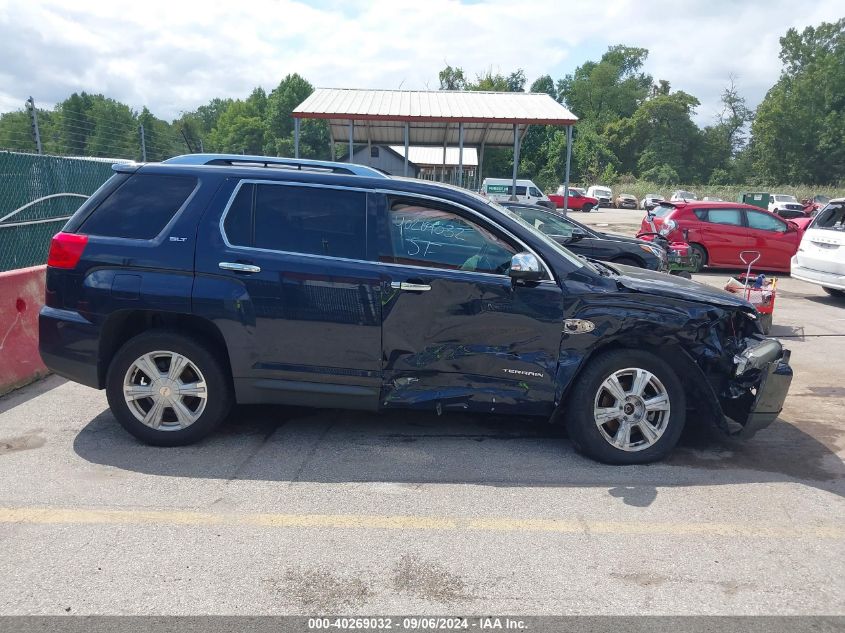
{"x": 434, "y": 238}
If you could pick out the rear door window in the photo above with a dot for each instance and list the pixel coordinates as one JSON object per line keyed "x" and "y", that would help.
{"x": 141, "y": 207}
{"x": 732, "y": 217}
{"x": 293, "y": 219}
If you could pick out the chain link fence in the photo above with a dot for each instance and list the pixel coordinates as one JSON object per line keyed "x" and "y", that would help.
{"x": 37, "y": 195}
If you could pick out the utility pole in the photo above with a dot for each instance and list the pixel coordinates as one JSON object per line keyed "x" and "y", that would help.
{"x": 30, "y": 105}
{"x": 566, "y": 178}
{"x": 143, "y": 144}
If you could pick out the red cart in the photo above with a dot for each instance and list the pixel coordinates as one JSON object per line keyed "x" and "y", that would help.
{"x": 758, "y": 290}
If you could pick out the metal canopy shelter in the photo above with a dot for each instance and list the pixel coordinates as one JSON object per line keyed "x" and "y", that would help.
{"x": 433, "y": 118}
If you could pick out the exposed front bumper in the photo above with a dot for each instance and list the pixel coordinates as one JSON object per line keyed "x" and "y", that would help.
{"x": 759, "y": 389}
{"x": 771, "y": 394}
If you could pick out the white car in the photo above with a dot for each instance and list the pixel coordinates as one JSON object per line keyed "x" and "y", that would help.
{"x": 820, "y": 258}
{"x": 785, "y": 206}
{"x": 681, "y": 195}
{"x": 501, "y": 190}
{"x": 650, "y": 201}
{"x": 601, "y": 193}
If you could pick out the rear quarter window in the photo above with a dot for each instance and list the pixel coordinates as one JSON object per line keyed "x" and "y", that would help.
{"x": 141, "y": 207}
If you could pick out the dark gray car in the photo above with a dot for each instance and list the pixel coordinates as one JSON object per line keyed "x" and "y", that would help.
{"x": 587, "y": 242}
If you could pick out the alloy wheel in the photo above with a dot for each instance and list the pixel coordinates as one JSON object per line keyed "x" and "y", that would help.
{"x": 631, "y": 409}
{"x": 165, "y": 390}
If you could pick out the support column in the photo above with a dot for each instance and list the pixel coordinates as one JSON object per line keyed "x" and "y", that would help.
{"x": 566, "y": 177}
{"x": 296, "y": 138}
{"x": 407, "y": 141}
{"x": 515, "y": 160}
{"x": 478, "y": 178}
{"x": 351, "y": 136}
{"x": 461, "y": 154}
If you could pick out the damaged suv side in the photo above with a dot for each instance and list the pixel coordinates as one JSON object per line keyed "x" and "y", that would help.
{"x": 184, "y": 287}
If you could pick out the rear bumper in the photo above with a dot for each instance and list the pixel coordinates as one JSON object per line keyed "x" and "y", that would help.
{"x": 69, "y": 345}
{"x": 818, "y": 277}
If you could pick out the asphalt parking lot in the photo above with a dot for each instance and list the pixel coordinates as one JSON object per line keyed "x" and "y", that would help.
{"x": 288, "y": 511}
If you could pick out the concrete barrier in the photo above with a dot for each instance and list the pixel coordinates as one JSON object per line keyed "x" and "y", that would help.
{"x": 21, "y": 297}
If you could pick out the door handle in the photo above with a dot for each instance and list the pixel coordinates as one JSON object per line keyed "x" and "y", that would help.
{"x": 410, "y": 287}
{"x": 240, "y": 268}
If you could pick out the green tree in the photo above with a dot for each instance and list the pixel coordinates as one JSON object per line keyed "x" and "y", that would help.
{"x": 607, "y": 90}
{"x": 239, "y": 130}
{"x": 75, "y": 124}
{"x": 115, "y": 129}
{"x": 545, "y": 84}
{"x": 452, "y": 79}
{"x": 290, "y": 92}
{"x": 16, "y": 131}
{"x": 798, "y": 128}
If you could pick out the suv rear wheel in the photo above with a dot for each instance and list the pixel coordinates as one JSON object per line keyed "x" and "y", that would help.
{"x": 167, "y": 389}
{"x": 626, "y": 407}
{"x": 834, "y": 292}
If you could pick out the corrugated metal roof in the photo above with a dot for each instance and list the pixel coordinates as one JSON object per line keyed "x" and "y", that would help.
{"x": 434, "y": 155}
{"x": 379, "y": 116}
{"x": 530, "y": 108}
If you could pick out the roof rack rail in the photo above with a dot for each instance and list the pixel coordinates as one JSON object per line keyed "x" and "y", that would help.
{"x": 298, "y": 164}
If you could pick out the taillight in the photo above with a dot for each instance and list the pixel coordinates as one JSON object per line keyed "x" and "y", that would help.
{"x": 66, "y": 250}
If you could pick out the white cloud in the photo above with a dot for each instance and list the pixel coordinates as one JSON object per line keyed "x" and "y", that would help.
{"x": 172, "y": 56}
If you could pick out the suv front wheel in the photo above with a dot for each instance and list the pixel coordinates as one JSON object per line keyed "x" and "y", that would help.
{"x": 167, "y": 389}
{"x": 626, "y": 407}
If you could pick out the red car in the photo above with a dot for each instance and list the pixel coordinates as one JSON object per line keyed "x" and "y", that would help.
{"x": 577, "y": 200}
{"x": 719, "y": 231}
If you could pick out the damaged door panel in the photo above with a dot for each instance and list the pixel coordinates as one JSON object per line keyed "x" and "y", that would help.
{"x": 457, "y": 333}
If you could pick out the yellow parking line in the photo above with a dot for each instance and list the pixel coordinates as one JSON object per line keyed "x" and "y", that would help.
{"x": 45, "y": 516}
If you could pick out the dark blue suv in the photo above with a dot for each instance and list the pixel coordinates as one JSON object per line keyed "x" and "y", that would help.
{"x": 186, "y": 286}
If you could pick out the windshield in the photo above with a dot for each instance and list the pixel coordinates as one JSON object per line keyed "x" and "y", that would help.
{"x": 653, "y": 196}
{"x": 602, "y": 192}
{"x": 686, "y": 195}
{"x": 545, "y": 222}
{"x": 547, "y": 241}
{"x": 832, "y": 218}
{"x": 781, "y": 198}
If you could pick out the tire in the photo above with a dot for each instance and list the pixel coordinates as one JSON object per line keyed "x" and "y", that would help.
{"x": 628, "y": 261}
{"x": 586, "y": 208}
{"x": 701, "y": 257}
{"x": 590, "y": 394}
{"x": 834, "y": 292}
{"x": 202, "y": 372}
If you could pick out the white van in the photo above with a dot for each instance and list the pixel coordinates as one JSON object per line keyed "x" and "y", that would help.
{"x": 500, "y": 190}
{"x": 820, "y": 258}
{"x": 601, "y": 193}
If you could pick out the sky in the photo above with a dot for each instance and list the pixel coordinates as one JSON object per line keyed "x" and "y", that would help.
{"x": 172, "y": 56}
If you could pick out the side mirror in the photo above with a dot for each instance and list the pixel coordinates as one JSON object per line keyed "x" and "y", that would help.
{"x": 791, "y": 226}
{"x": 577, "y": 236}
{"x": 525, "y": 267}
